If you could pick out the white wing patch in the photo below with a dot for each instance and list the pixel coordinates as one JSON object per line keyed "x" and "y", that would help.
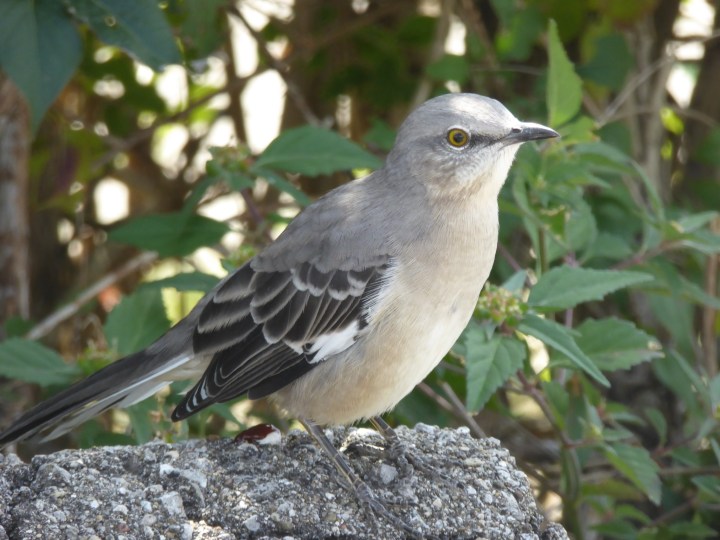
{"x": 334, "y": 342}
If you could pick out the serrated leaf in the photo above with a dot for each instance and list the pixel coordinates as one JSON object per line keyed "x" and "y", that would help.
{"x": 312, "y": 150}
{"x": 629, "y": 345}
{"x": 564, "y": 87}
{"x": 564, "y": 287}
{"x": 28, "y": 361}
{"x": 139, "y": 27}
{"x": 171, "y": 235}
{"x": 40, "y": 49}
{"x": 489, "y": 364}
{"x": 637, "y": 466}
{"x": 137, "y": 321}
{"x": 561, "y": 339}
{"x": 187, "y": 281}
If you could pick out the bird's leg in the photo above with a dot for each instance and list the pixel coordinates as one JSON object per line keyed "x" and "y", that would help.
{"x": 398, "y": 451}
{"x": 362, "y": 491}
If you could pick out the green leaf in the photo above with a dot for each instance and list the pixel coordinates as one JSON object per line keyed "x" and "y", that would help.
{"x": 278, "y": 182}
{"x": 608, "y": 246}
{"x": 669, "y": 371}
{"x": 610, "y": 62}
{"x": 489, "y": 364}
{"x": 450, "y": 68}
{"x": 519, "y": 32}
{"x": 619, "y": 529}
{"x": 202, "y": 26}
{"x": 28, "y": 361}
{"x": 658, "y": 422}
{"x": 637, "y": 466}
{"x": 40, "y": 49}
{"x": 187, "y": 281}
{"x": 707, "y": 151}
{"x": 627, "y": 347}
{"x": 138, "y": 27}
{"x": 141, "y": 420}
{"x": 580, "y": 130}
{"x": 694, "y": 222}
{"x": 558, "y": 397}
{"x": 171, "y": 235}
{"x": 564, "y": 87}
{"x": 312, "y": 151}
{"x": 380, "y": 135}
{"x": 563, "y": 287}
{"x": 709, "y": 486}
{"x": 561, "y": 339}
{"x": 137, "y": 321}
{"x": 687, "y": 530}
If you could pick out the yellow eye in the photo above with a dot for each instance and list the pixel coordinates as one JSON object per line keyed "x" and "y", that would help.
{"x": 457, "y": 137}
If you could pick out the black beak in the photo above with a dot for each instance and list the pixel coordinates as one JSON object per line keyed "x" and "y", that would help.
{"x": 528, "y": 131}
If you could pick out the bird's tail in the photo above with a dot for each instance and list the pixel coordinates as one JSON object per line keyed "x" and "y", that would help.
{"x": 122, "y": 383}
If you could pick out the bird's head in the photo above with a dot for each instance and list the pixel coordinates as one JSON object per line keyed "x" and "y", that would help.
{"x": 458, "y": 143}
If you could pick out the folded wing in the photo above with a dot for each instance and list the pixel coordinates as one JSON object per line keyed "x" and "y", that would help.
{"x": 264, "y": 329}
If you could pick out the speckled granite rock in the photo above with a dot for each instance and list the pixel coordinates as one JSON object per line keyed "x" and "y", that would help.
{"x": 224, "y": 490}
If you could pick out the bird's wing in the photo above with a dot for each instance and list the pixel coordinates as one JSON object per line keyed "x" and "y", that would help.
{"x": 265, "y": 328}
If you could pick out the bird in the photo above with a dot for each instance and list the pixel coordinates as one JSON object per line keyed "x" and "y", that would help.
{"x": 354, "y": 303}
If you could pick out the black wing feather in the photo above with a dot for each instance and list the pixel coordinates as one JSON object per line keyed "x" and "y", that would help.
{"x": 260, "y": 327}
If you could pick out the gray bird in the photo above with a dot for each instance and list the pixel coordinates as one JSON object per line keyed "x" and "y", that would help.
{"x": 353, "y": 305}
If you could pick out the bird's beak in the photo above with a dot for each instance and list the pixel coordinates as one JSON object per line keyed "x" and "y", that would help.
{"x": 528, "y": 131}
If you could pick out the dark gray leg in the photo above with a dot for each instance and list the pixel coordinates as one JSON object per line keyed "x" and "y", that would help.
{"x": 362, "y": 491}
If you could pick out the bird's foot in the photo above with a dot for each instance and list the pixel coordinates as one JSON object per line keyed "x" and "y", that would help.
{"x": 407, "y": 461}
{"x": 373, "y": 506}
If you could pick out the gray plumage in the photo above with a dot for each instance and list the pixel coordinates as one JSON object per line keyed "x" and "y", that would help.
{"x": 356, "y": 301}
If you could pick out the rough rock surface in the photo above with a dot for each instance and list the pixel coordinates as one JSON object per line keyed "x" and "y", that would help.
{"x": 223, "y": 490}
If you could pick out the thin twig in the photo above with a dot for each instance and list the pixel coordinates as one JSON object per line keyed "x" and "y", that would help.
{"x": 45, "y": 326}
{"x": 437, "y": 49}
{"x": 530, "y": 390}
{"x": 505, "y": 253}
{"x": 123, "y": 145}
{"x": 437, "y": 398}
{"x": 461, "y": 411}
{"x": 281, "y": 67}
{"x": 640, "y": 78}
{"x": 641, "y": 257}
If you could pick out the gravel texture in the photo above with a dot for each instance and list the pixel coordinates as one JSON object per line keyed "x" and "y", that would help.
{"x": 225, "y": 490}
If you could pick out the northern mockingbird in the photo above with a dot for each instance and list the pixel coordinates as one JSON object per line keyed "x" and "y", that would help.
{"x": 353, "y": 305}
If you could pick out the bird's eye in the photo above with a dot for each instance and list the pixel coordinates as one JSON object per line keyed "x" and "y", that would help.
{"x": 458, "y": 138}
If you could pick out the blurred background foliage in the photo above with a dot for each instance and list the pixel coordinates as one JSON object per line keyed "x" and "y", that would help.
{"x": 136, "y": 167}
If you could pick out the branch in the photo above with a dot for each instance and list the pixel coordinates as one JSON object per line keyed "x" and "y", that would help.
{"x": 45, "y": 326}
{"x": 123, "y": 145}
{"x": 281, "y": 67}
{"x": 461, "y": 411}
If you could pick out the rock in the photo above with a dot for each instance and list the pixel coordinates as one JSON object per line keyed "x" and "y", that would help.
{"x": 223, "y": 490}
